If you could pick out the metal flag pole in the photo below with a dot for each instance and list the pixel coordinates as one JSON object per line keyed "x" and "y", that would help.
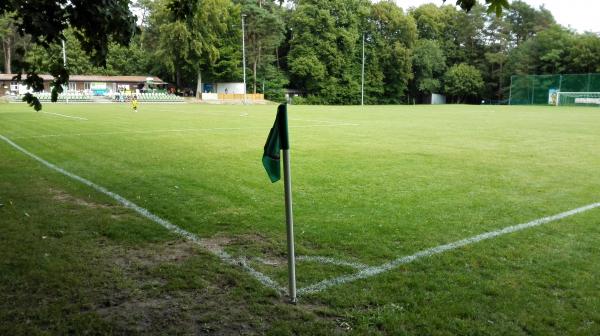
{"x": 287, "y": 182}
{"x": 64, "y": 52}
{"x": 289, "y": 220}
{"x": 277, "y": 141}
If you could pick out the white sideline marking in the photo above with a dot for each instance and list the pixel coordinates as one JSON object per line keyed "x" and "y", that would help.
{"x": 169, "y": 131}
{"x": 327, "y": 260}
{"x": 64, "y": 115}
{"x": 372, "y": 271}
{"x": 224, "y": 256}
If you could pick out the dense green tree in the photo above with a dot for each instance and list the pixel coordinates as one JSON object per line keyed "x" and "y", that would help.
{"x": 274, "y": 81}
{"x": 546, "y": 53}
{"x": 429, "y": 65}
{"x": 228, "y": 66}
{"x": 525, "y": 21}
{"x": 120, "y": 60}
{"x": 324, "y": 58}
{"x": 584, "y": 54}
{"x": 551, "y": 47}
{"x": 463, "y": 81}
{"x": 212, "y": 23}
{"x": 497, "y": 43}
{"x": 186, "y": 39}
{"x": 177, "y": 45}
{"x": 44, "y": 60}
{"x": 462, "y": 40}
{"x": 430, "y": 20}
{"x": 264, "y": 32}
{"x": 392, "y": 35}
{"x": 495, "y": 77}
{"x": 8, "y": 33}
{"x": 131, "y": 60}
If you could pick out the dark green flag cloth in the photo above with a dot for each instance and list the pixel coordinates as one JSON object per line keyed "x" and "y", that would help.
{"x": 278, "y": 140}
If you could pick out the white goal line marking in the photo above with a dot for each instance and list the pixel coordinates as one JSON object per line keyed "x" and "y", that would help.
{"x": 224, "y": 256}
{"x": 65, "y": 116}
{"x": 372, "y": 271}
{"x": 170, "y": 131}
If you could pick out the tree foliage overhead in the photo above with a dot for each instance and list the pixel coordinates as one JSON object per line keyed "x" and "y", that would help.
{"x": 494, "y": 6}
{"x": 94, "y": 23}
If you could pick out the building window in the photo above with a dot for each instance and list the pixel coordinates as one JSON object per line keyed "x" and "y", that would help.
{"x": 86, "y": 85}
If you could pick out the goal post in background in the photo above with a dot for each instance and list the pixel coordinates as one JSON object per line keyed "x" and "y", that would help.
{"x": 578, "y": 98}
{"x": 562, "y": 89}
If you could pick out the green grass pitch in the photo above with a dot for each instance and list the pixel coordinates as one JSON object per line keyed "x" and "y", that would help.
{"x": 370, "y": 185}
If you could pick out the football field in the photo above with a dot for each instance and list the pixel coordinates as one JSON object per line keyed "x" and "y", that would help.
{"x": 408, "y": 219}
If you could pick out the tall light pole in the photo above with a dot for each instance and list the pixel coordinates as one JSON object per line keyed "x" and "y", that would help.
{"x": 244, "y": 55}
{"x": 64, "y": 52}
{"x": 362, "y": 85}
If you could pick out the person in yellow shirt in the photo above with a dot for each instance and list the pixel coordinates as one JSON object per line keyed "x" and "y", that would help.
{"x": 134, "y": 103}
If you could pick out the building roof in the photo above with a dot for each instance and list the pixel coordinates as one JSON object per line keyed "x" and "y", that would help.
{"x": 96, "y": 78}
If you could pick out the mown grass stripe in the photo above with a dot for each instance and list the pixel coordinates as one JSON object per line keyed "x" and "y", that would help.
{"x": 65, "y": 116}
{"x": 171, "y": 131}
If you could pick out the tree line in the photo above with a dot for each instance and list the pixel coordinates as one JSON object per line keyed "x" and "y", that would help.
{"x": 315, "y": 48}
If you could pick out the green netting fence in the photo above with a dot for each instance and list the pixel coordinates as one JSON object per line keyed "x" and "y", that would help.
{"x": 543, "y": 89}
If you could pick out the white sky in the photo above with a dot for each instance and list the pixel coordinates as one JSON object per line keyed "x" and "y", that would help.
{"x": 581, "y": 15}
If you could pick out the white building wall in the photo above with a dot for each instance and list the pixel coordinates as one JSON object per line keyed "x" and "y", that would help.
{"x": 231, "y": 88}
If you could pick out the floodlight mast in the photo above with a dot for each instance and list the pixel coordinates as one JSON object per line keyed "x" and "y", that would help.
{"x": 244, "y": 55}
{"x": 64, "y": 52}
{"x": 362, "y": 85}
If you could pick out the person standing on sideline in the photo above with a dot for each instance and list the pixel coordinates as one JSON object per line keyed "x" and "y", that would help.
{"x": 134, "y": 103}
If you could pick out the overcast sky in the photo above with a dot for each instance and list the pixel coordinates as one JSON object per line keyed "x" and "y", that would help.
{"x": 582, "y": 15}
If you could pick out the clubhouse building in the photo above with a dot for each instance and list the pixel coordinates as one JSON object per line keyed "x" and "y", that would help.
{"x": 92, "y": 84}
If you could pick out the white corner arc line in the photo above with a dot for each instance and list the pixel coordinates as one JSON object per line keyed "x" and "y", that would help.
{"x": 332, "y": 261}
{"x": 65, "y": 116}
{"x": 224, "y": 256}
{"x": 372, "y": 271}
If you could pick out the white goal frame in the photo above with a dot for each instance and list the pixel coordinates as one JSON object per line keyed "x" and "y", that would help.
{"x": 591, "y": 100}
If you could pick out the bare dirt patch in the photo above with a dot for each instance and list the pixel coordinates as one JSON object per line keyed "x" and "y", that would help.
{"x": 176, "y": 251}
{"x": 210, "y": 302}
{"x": 146, "y": 303}
{"x": 64, "y": 197}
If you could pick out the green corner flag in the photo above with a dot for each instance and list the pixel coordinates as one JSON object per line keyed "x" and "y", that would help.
{"x": 278, "y": 140}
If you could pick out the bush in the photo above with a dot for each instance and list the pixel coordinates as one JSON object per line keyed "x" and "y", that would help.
{"x": 463, "y": 81}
